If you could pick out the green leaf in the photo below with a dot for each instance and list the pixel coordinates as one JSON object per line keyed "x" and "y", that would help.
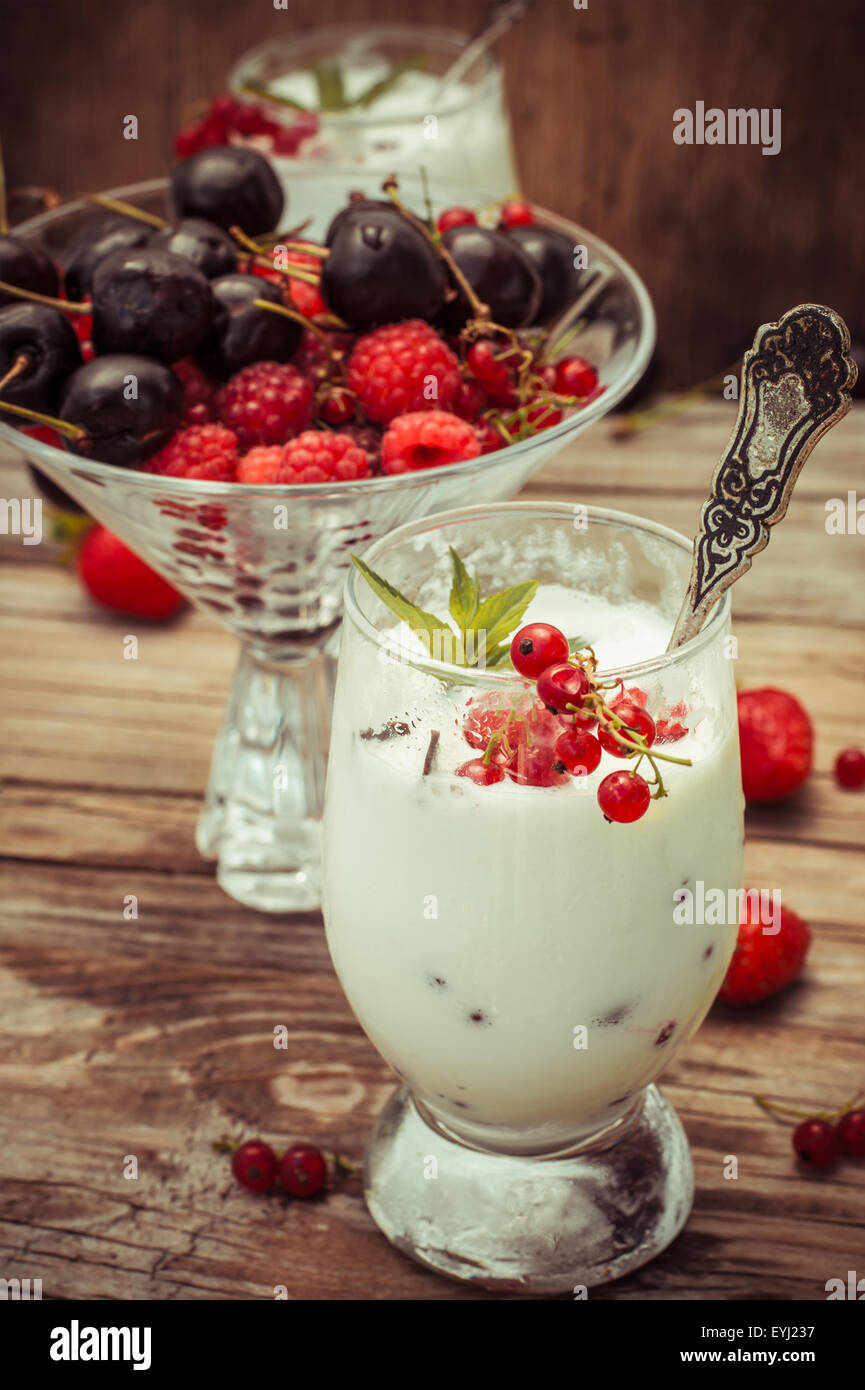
{"x": 465, "y": 593}
{"x": 450, "y": 646}
{"x": 390, "y": 79}
{"x": 331, "y": 94}
{"x": 576, "y": 644}
{"x": 500, "y": 614}
{"x": 261, "y": 89}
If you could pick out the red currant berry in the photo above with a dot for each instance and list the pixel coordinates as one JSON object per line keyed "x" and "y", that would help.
{"x": 481, "y": 773}
{"x": 579, "y": 751}
{"x": 470, "y": 401}
{"x": 303, "y": 1170}
{"x": 535, "y": 766}
{"x": 516, "y": 212}
{"x": 814, "y": 1143}
{"x": 850, "y": 768}
{"x": 575, "y": 377}
{"x": 254, "y": 1165}
{"x": 338, "y": 406}
{"x": 850, "y": 1133}
{"x": 537, "y": 646}
{"x": 455, "y": 217}
{"x": 624, "y": 797}
{"x": 562, "y": 685}
{"x": 637, "y": 721}
{"x": 484, "y": 365}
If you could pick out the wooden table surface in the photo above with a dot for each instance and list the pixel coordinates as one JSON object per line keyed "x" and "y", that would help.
{"x": 154, "y": 1037}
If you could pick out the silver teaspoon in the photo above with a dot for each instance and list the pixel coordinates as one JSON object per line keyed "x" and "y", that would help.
{"x": 796, "y": 384}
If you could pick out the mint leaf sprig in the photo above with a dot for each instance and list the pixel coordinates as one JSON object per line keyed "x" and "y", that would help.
{"x": 482, "y": 626}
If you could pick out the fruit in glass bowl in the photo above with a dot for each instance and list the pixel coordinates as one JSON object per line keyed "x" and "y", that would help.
{"x": 268, "y": 559}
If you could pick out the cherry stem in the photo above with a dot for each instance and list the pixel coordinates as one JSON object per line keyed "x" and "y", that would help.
{"x": 127, "y": 209}
{"x": 64, "y": 305}
{"x": 61, "y": 426}
{"x": 480, "y": 310}
{"x": 21, "y": 363}
{"x": 332, "y": 356}
{"x": 259, "y": 258}
{"x": 262, "y": 248}
{"x": 774, "y": 1109}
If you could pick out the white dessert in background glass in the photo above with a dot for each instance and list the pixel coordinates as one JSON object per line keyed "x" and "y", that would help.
{"x": 511, "y": 953}
{"x": 460, "y": 133}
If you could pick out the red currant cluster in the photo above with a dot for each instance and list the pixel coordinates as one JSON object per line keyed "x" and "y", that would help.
{"x": 227, "y": 120}
{"x": 563, "y": 730}
{"x": 820, "y": 1140}
{"x": 302, "y": 1169}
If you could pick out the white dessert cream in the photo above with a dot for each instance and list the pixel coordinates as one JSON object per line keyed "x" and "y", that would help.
{"x": 510, "y": 952}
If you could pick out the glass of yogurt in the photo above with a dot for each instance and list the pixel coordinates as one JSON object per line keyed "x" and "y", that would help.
{"x": 527, "y": 967}
{"x": 376, "y": 94}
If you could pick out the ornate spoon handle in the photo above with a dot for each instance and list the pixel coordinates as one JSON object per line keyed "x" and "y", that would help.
{"x": 796, "y": 383}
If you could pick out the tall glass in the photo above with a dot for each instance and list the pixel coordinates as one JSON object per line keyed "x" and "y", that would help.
{"x": 461, "y": 131}
{"x": 514, "y": 956}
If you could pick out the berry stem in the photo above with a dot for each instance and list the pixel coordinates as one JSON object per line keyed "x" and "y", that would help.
{"x": 480, "y": 310}
{"x": 127, "y": 209}
{"x": 259, "y": 258}
{"x": 66, "y": 306}
{"x": 61, "y": 426}
{"x": 21, "y": 363}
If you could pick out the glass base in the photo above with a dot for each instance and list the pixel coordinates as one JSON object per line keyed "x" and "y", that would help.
{"x": 528, "y": 1224}
{"x": 261, "y": 819}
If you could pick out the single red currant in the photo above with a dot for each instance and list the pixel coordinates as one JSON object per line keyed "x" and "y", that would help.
{"x": 470, "y": 401}
{"x": 481, "y": 773}
{"x": 516, "y": 212}
{"x": 535, "y": 765}
{"x": 338, "y": 406}
{"x": 579, "y": 751}
{"x": 562, "y": 685}
{"x": 814, "y": 1143}
{"x": 254, "y": 1165}
{"x": 575, "y": 377}
{"x": 850, "y": 768}
{"x": 303, "y": 1170}
{"x": 485, "y": 366}
{"x": 624, "y": 797}
{"x": 638, "y": 723}
{"x": 537, "y": 646}
{"x": 455, "y": 217}
{"x": 850, "y": 1133}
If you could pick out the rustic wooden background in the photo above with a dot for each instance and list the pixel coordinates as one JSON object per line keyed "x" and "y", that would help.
{"x": 153, "y": 1037}
{"x": 725, "y": 237}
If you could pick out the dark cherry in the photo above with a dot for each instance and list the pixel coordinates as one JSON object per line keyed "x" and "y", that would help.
{"x": 47, "y": 340}
{"x": 129, "y": 405}
{"x": 207, "y": 246}
{"x": 25, "y": 265}
{"x": 231, "y": 186}
{"x": 382, "y": 268}
{"x": 92, "y": 245}
{"x": 241, "y": 333}
{"x": 150, "y": 301}
{"x": 356, "y": 209}
{"x": 499, "y": 272}
{"x": 552, "y": 255}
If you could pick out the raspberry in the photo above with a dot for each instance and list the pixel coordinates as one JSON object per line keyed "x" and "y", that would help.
{"x": 427, "y": 439}
{"x": 198, "y": 392}
{"x": 313, "y": 457}
{"x": 398, "y": 368}
{"x": 266, "y": 403}
{"x": 208, "y": 452}
{"x": 317, "y": 457}
{"x": 261, "y": 465}
{"x": 776, "y": 741}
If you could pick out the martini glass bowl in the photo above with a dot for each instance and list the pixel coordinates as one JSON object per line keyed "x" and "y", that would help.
{"x": 269, "y": 562}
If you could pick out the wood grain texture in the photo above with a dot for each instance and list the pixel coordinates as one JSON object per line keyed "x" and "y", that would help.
{"x": 154, "y": 1037}
{"x": 725, "y": 237}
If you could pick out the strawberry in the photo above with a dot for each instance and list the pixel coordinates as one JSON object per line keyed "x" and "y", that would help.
{"x": 776, "y": 741}
{"x": 764, "y": 964}
{"x": 114, "y": 576}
